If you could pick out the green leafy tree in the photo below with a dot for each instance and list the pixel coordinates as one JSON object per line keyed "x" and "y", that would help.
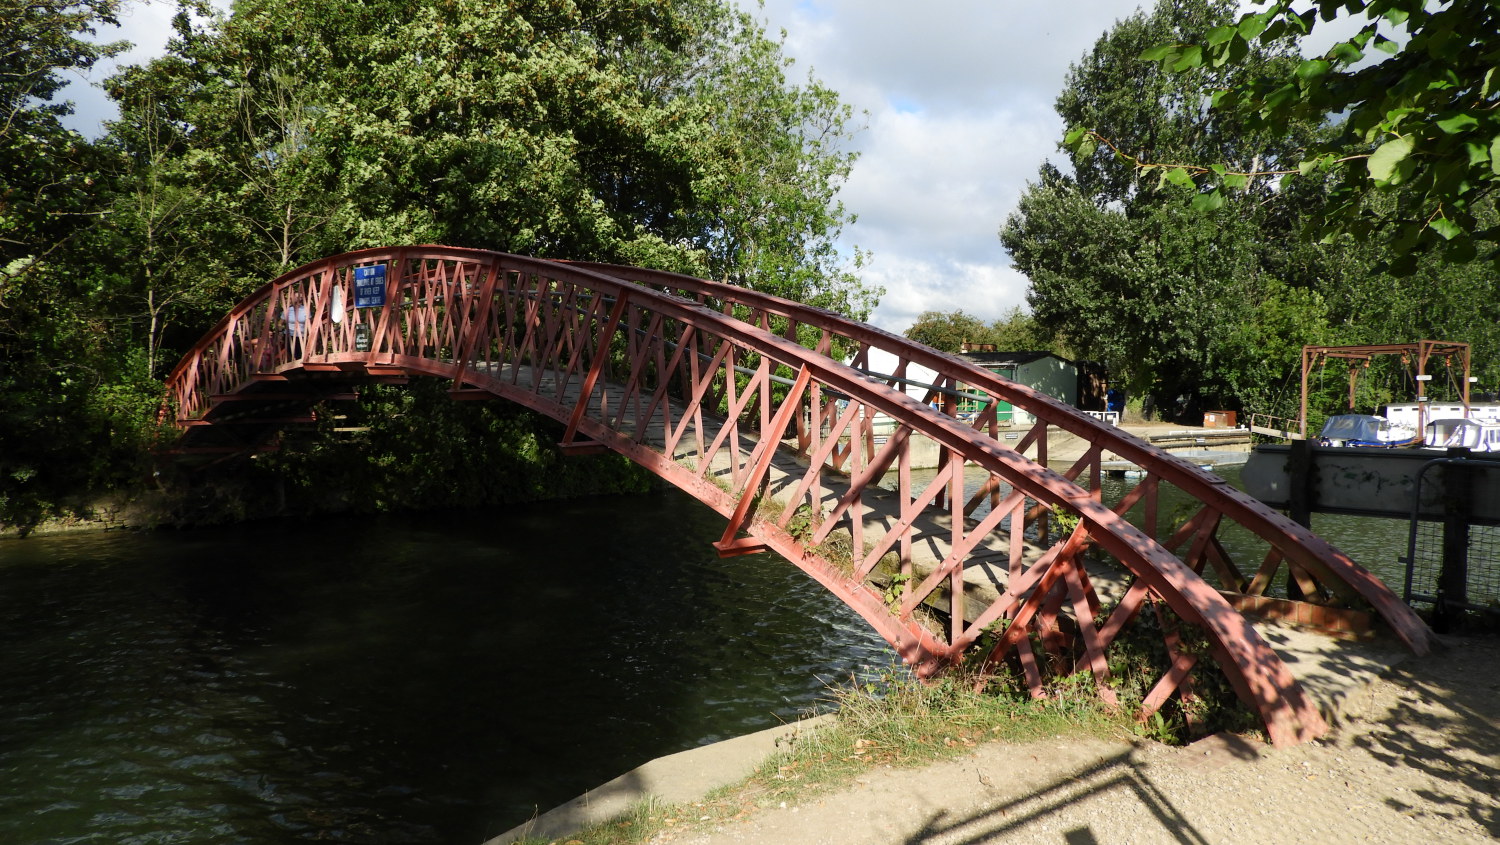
{"x": 1122, "y": 270}
{"x": 658, "y": 133}
{"x": 47, "y": 172}
{"x": 1412, "y": 109}
{"x": 767, "y": 214}
{"x": 217, "y": 195}
{"x": 1015, "y": 331}
{"x": 947, "y": 331}
{"x": 72, "y": 411}
{"x": 644, "y": 132}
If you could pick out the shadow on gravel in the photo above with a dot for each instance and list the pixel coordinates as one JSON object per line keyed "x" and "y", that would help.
{"x": 1120, "y": 772}
{"x": 1438, "y": 716}
{"x": 1446, "y": 723}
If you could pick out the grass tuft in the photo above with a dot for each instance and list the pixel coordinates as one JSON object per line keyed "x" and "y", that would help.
{"x": 890, "y": 720}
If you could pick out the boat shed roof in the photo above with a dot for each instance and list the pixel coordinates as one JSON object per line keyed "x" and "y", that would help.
{"x": 994, "y": 359}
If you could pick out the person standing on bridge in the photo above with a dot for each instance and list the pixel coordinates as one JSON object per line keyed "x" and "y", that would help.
{"x": 295, "y": 316}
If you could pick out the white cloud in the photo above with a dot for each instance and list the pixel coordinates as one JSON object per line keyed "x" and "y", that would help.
{"x": 983, "y": 288}
{"x": 937, "y": 182}
{"x": 147, "y": 25}
{"x": 959, "y": 96}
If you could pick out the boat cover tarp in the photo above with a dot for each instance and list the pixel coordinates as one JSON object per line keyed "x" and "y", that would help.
{"x": 1362, "y": 428}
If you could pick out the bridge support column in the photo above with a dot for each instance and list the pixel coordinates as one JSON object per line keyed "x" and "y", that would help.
{"x": 729, "y": 545}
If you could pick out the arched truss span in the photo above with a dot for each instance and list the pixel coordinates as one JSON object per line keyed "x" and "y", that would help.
{"x": 745, "y": 401}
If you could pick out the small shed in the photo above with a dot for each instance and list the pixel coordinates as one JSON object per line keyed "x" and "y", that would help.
{"x": 1043, "y": 372}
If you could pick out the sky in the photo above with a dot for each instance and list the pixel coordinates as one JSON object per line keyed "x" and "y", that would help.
{"x": 958, "y": 96}
{"x": 956, "y": 117}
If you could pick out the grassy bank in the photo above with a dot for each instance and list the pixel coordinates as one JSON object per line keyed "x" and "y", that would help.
{"x": 894, "y": 722}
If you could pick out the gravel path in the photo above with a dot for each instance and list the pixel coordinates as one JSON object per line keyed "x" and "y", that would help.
{"x": 1415, "y": 759}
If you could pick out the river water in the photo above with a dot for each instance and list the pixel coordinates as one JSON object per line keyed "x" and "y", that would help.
{"x": 433, "y": 678}
{"x": 390, "y": 680}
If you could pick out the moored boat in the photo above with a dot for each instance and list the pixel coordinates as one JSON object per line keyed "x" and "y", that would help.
{"x": 1468, "y": 433}
{"x": 1366, "y": 430}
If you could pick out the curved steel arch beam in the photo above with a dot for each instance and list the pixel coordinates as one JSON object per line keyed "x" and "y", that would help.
{"x": 489, "y": 303}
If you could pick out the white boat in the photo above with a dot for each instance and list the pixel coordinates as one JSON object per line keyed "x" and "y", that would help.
{"x": 1467, "y": 432}
{"x": 1410, "y": 412}
{"x": 1367, "y": 430}
{"x": 1485, "y": 412}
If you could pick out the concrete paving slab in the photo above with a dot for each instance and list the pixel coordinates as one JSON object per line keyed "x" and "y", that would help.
{"x": 677, "y": 778}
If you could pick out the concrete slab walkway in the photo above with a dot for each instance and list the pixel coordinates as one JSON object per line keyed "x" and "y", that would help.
{"x": 1414, "y": 757}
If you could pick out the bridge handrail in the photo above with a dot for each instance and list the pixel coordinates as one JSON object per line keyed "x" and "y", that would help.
{"x": 1297, "y": 544}
{"x": 1039, "y": 483}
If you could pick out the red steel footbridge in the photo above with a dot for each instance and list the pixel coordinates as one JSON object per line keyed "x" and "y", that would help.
{"x": 768, "y": 412}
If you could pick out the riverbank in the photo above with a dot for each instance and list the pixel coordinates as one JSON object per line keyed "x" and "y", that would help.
{"x": 1415, "y": 756}
{"x": 113, "y": 514}
{"x": 145, "y": 507}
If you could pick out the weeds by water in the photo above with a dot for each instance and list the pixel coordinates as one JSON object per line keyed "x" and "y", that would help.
{"x": 891, "y": 720}
{"x": 896, "y": 721}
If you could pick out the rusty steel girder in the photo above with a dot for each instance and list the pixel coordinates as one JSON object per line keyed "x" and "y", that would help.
{"x": 745, "y": 401}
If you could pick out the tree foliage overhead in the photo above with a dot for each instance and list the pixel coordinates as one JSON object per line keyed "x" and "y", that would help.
{"x": 663, "y": 133}
{"x": 1412, "y": 99}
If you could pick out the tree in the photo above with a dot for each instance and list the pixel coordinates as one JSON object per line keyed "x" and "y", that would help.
{"x": 1190, "y": 279}
{"x": 1418, "y": 124}
{"x": 1121, "y": 270}
{"x": 766, "y": 193}
{"x": 635, "y": 131}
{"x": 947, "y": 331}
{"x": 641, "y": 131}
{"x": 220, "y": 191}
{"x": 47, "y": 172}
{"x": 71, "y": 412}
{"x": 1015, "y": 331}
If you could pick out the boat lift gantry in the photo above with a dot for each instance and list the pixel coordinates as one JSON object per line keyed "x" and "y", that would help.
{"x": 1421, "y": 351}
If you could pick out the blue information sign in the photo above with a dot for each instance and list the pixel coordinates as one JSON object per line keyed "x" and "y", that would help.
{"x": 369, "y": 286}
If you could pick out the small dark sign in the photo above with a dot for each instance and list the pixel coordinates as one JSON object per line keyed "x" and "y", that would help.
{"x": 369, "y": 286}
{"x": 361, "y": 338}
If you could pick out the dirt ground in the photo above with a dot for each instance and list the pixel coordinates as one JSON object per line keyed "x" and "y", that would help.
{"x": 1414, "y": 758}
